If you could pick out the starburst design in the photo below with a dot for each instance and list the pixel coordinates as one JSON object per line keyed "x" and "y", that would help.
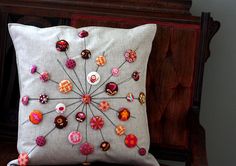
{"x": 86, "y": 98}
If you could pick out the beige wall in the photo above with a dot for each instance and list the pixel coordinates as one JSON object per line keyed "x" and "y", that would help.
{"x": 218, "y": 110}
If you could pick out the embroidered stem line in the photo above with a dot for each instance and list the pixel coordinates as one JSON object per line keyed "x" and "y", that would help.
{"x": 69, "y": 77}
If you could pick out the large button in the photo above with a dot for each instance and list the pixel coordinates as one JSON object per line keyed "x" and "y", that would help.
{"x": 65, "y": 86}
{"x": 86, "y": 148}
{"x": 25, "y": 100}
{"x": 44, "y": 76}
{"x": 124, "y": 114}
{"x": 43, "y": 99}
{"x": 85, "y": 54}
{"x": 131, "y": 141}
{"x": 115, "y": 71}
{"x": 83, "y": 34}
{"x": 130, "y": 97}
{"x": 62, "y": 45}
{"x": 142, "y": 98}
{"x": 70, "y": 63}
{"x": 60, "y": 122}
{"x": 60, "y": 108}
{"x": 80, "y": 116}
{"x": 23, "y": 159}
{"x": 93, "y": 78}
{"x": 36, "y": 117}
{"x": 130, "y": 56}
{"x": 101, "y": 60}
{"x": 111, "y": 88}
{"x": 105, "y": 146}
{"x": 96, "y": 122}
{"x": 120, "y": 130}
{"x": 40, "y": 140}
{"x": 75, "y": 137}
{"x": 104, "y": 106}
{"x": 135, "y": 75}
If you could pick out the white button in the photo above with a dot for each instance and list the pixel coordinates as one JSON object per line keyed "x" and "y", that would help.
{"x": 93, "y": 78}
{"x": 60, "y": 108}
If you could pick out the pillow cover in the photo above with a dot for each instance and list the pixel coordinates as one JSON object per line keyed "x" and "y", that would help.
{"x": 82, "y": 94}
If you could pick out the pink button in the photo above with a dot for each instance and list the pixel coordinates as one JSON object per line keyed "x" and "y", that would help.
{"x": 25, "y": 100}
{"x": 86, "y": 148}
{"x": 75, "y": 137}
{"x": 115, "y": 71}
{"x": 40, "y": 140}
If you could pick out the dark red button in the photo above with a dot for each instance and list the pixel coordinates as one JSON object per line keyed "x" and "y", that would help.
{"x": 70, "y": 63}
{"x": 83, "y": 34}
{"x": 60, "y": 122}
{"x": 43, "y": 99}
{"x": 111, "y": 88}
{"x": 80, "y": 116}
{"x": 124, "y": 114}
{"x": 135, "y": 75}
{"x": 62, "y": 45}
{"x": 85, "y": 54}
{"x": 142, "y": 151}
{"x": 105, "y": 146}
{"x": 40, "y": 140}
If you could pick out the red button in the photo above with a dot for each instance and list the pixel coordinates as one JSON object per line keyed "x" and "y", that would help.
{"x": 96, "y": 122}
{"x": 86, "y": 148}
{"x": 40, "y": 140}
{"x": 62, "y": 45}
{"x": 131, "y": 141}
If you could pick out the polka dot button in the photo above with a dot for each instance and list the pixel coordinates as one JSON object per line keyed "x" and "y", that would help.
{"x": 43, "y": 99}
{"x": 40, "y": 140}
{"x": 93, "y": 78}
{"x": 44, "y": 76}
{"x": 70, "y": 63}
{"x": 131, "y": 141}
{"x": 75, "y": 137}
{"x": 130, "y": 56}
{"x": 60, "y": 108}
{"x": 86, "y": 149}
{"x": 60, "y": 122}
{"x": 115, "y": 71}
{"x": 36, "y": 117}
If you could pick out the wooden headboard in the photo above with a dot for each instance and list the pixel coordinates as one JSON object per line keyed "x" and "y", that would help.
{"x": 175, "y": 68}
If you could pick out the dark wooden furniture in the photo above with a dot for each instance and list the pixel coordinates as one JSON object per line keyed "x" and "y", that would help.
{"x": 175, "y": 68}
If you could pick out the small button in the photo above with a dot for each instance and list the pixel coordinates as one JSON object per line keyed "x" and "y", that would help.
{"x": 75, "y": 137}
{"x": 130, "y": 56}
{"x": 62, "y": 45}
{"x": 124, "y": 114}
{"x": 44, "y": 76}
{"x": 142, "y": 151}
{"x": 65, "y": 86}
{"x": 104, "y": 106}
{"x": 142, "y": 98}
{"x": 23, "y": 159}
{"x": 36, "y": 117}
{"x": 120, "y": 130}
{"x": 115, "y": 71}
{"x": 96, "y": 122}
{"x": 70, "y": 63}
{"x": 131, "y": 141}
{"x": 101, "y": 60}
{"x": 93, "y": 78}
{"x": 60, "y": 122}
{"x": 80, "y": 116}
{"x": 25, "y": 100}
{"x": 135, "y": 75}
{"x": 105, "y": 146}
{"x": 85, "y": 54}
{"x": 43, "y": 99}
{"x": 60, "y": 108}
{"x": 33, "y": 69}
{"x": 83, "y": 34}
{"x": 130, "y": 97}
{"x": 86, "y": 163}
{"x": 40, "y": 140}
{"x": 111, "y": 88}
{"x": 86, "y": 148}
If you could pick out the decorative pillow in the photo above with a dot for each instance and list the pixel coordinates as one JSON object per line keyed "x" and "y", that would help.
{"x": 82, "y": 94}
